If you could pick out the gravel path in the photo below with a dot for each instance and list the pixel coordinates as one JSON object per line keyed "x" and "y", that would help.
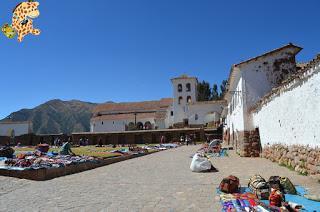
{"x": 156, "y": 182}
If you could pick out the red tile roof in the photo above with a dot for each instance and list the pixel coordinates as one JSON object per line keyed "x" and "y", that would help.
{"x": 133, "y": 106}
{"x": 129, "y": 116}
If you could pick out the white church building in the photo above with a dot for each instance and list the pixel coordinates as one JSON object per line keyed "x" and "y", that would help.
{"x": 183, "y": 110}
{"x": 273, "y": 99}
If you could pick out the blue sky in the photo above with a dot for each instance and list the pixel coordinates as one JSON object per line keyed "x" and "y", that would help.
{"x": 127, "y": 50}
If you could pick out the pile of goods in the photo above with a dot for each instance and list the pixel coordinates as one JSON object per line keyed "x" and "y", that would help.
{"x": 34, "y": 161}
{"x": 137, "y": 149}
{"x": 6, "y": 152}
{"x": 212, "y": 149}
{"x": 260, "y": 195}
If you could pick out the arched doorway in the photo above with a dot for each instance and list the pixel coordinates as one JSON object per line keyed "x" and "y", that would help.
{"x": 139, "y": 126}
{"x": 148, "y": 125}
{"x": 131, "y": 126}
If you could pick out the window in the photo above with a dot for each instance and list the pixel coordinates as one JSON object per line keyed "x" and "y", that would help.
{"x": 179, "y": 88}
{"x": 189, "y": 99}
{"x": 196, "y": 117}
{"x": 171, "y": 113}
{"x": 180, "y": 100}
{"x": 188, "y": 87}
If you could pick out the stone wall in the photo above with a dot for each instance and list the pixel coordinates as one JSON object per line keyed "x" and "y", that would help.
{"x": 249, "y": 145}
{"x": 142, "y": 136}
{"x": 302, "y": 159}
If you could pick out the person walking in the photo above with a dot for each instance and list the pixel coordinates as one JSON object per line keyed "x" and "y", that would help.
{"x": 187, "y": 139}
{"x": 163, "y": 139}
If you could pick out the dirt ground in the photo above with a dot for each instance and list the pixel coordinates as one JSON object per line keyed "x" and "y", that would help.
{"x": 156, "y": 182}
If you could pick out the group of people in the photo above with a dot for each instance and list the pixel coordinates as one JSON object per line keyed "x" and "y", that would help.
{"x": 84, "y": 142}
{"x": 188, "y": 139}
{"x": 65, "y": 146}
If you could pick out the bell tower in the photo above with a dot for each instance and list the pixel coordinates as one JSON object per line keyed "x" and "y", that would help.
{"x": 184, "y": 94}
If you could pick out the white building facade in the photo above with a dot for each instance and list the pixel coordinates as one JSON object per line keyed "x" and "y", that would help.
{"x": 249, "y": 84}
{"x": 11, "y": 128}
{"x": 183, "y": 110}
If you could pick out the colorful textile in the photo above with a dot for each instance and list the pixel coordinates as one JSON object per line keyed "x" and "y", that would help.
{"x": 249, "y": 198}
{"x": 33, "y": 161}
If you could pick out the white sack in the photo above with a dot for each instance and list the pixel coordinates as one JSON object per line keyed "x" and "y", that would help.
{"x": 200, "y": 164}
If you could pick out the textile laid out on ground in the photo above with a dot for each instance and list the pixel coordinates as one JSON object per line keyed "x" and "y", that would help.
{"x": 162, "y": 146}
{"x": 32, "y": 161}
{"x": 249, "y": 199}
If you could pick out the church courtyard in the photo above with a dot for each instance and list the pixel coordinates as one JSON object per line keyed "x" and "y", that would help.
{"x": 157, "y": 182}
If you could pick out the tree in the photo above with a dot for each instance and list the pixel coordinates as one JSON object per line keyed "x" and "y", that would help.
{"x": 204, "y": 91}
{"x": 215, "y": 93}
{"x": 223, "y": 88}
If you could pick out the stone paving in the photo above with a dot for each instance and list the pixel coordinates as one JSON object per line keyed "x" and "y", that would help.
{"x": 156, "y": 182}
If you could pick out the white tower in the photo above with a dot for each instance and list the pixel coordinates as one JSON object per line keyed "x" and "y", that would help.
{"x": 184, "y": 93}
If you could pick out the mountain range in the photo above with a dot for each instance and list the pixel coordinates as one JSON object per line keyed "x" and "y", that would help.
{"x": 57, "y": 116}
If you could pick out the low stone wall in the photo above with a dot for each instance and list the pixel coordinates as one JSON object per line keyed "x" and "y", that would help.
{"x": 140, "y": 137}
{"x": 302, "y": 159}
{"x": 47, "y": 174}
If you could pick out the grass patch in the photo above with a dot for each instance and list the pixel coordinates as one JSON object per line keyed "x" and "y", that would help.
{"x": 283, "y": 165}
{"x": 303, "y": 174}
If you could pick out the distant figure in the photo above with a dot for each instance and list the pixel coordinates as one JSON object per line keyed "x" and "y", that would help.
{"x": 187, "y": 140}
{"x": 80, "y": 142}
{"x": 182, "y": 139}
{"x": 66, "y": 148}
{"x": 55, "y": 142}
{"x": 99, "y": 143}
{"x": 193, "y": 139}
{"x": 87, "y": 142}
{"x": 163, "y": 139}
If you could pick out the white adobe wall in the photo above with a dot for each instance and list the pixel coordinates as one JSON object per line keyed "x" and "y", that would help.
{"x": 202, "y": 110}
{"x": 115, "y": 125}
{"x": 108, "y": 126}
{"x": 19, "y": 128}
{"x": 169, "y": 120}
{"x": 235, "y": 117}
{"x": 161, "y": 124}
{"x": 254, "y": 80}
{"x": 263, "y": 75}
{"x": 293, "y": 117}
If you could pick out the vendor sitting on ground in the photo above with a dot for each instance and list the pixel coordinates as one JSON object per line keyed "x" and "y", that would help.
{"x": 66, "y": 148}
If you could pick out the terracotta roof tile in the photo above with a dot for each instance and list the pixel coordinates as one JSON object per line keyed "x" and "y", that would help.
{"x": 129, "y": 116}
{"x": 161, "y": 115}
{"x": 133, "y": 106}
